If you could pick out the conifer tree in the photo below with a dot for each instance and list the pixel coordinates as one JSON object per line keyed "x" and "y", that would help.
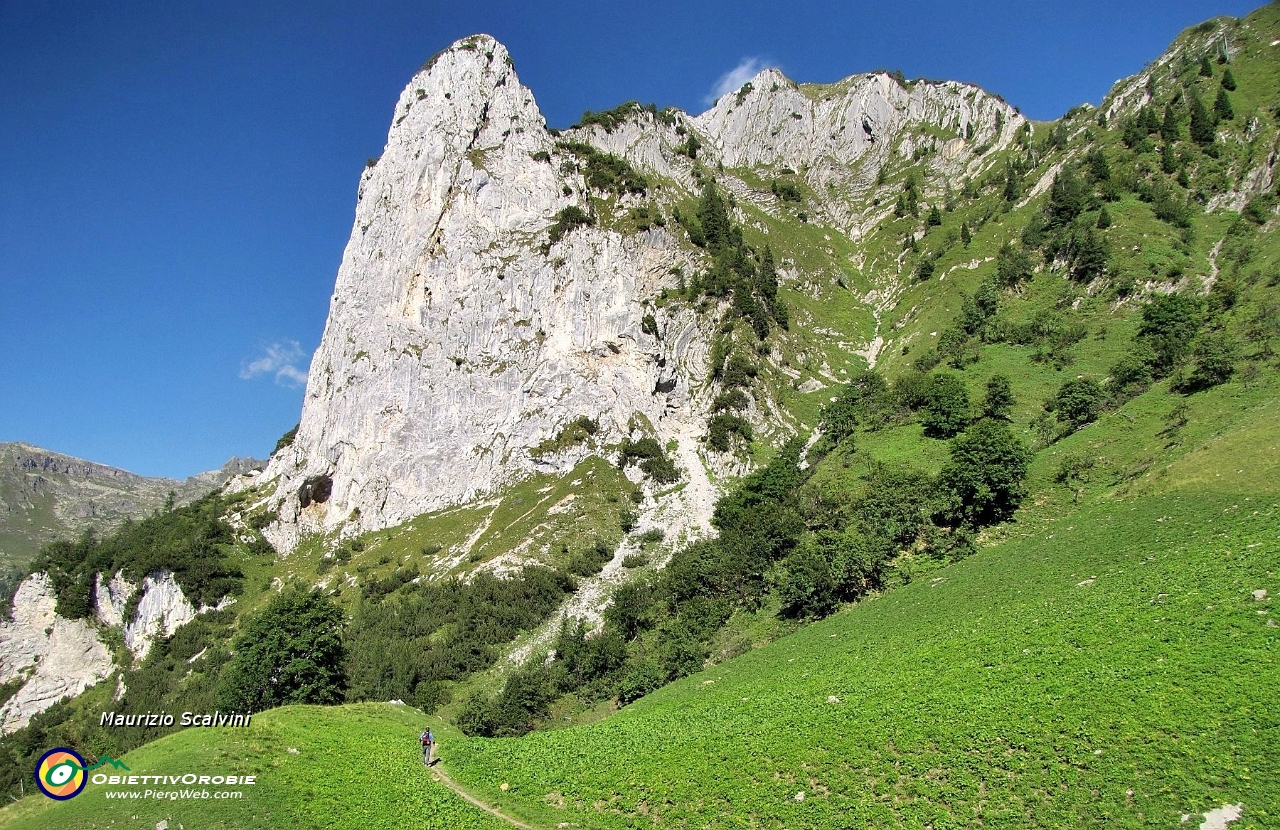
{"x": 1091, "y": 256}
{"x": 767, "y": 278}
{"x": 1228, "y": 81}
{"x": 713, "y": 217}
{"x": 1168, "y": 161}
{"x": 1202, "y": 126}
{"x": 912, "y": 194}
{"x": 1150, "y": 121}
{"x": 1104, "y": 218}
{"x": 1011, "y": 189}
{"x": 1169, "y": 127}
{"x": 1099, "y": 168}
{"x": 965, "y": 236}
{"x": 1206, "y": 68}
{"x": 1222, "y": 106}
{"x": 1067, "y": 197}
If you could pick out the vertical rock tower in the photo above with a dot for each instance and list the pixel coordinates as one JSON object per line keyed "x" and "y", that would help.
{"x": 457, "y": 337}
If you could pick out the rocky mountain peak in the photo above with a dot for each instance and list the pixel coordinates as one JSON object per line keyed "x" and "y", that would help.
{"x": 460, "y": 334}
{"x": 860, "y": 120}
{"x": 493, "y": 289}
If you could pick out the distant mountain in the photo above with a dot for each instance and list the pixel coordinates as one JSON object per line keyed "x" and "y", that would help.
{"x": 46, "y": 495}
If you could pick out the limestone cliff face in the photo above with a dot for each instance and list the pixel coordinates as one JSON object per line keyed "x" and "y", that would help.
{"x": 57, "y": 657}
{"x": 458, "y": 337}
{"x": 110, "y": 597}
{"x": 162, "y": 610}
{"x": 839, "y": 136}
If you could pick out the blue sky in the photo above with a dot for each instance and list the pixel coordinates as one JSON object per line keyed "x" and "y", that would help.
{"x": 177, "y": 180}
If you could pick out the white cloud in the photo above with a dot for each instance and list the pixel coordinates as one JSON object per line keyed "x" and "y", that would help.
{"x": 733, "y": 80}
{"x": 280, "y": 360}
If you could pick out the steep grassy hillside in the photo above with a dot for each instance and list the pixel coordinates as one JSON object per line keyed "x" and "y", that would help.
{"x": 1116, "y": 671}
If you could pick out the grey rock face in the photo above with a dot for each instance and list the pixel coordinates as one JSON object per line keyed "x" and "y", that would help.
{"x": 453, "y": 343}
{"x": 162, "y": 610}
{"x": 61, "y": 658}
{"x": 111, "y": 597}
{"x": 58, "y": 657}
{"x": 841, "y": 135}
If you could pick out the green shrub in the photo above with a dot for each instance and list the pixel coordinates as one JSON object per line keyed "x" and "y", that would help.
{"x": 1215, "y": 362}
{"x": 578, "y": 431}
{"x": 738, "y": 371}
{"x": 786, "y": 191}
{"x": 605, "y": 171}
{"x": 1169, "y": 326}
{"x": 999, "y": 399}
{"x": 661, "y": 469}
{"x": 1013, "y": 266}
{"x": 731, "y": 400}
{"x": 1078, "y": 402}
{"x": 286, "y": 439}
{"x": 651, "y": 536}
{"x": 721, "y": 429}
{"x": 947, "y": 409}
{"x": 610, "y": 120}
{"x": 982, "y": 483}
{"x": 567, "y": 219}
{"x": 291, "y": 652}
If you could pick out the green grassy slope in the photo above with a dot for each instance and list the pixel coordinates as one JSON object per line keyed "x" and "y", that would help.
{"x": 352, "y": 766}
{"x": 1117, "y": 671}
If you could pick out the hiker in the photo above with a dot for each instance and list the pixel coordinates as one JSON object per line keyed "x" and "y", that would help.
{"x": 428, "y": 743}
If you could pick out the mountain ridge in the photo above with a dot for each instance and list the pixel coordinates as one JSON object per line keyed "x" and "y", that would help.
{"x": 46, "y": 495}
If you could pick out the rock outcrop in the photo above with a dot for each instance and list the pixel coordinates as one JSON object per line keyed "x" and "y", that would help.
{"x": 162, "y": 610}
{"x": 111, "y": 597}
{"x": 58, "y": 657}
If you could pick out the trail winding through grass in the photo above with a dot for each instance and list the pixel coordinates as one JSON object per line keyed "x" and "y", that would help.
{"x": 439, "y": 774}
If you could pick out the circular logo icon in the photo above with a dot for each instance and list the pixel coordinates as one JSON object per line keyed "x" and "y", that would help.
{"x": 60, "y": 774}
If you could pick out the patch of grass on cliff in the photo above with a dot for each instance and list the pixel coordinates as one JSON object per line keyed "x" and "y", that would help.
{"x": 548, "y": 519}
